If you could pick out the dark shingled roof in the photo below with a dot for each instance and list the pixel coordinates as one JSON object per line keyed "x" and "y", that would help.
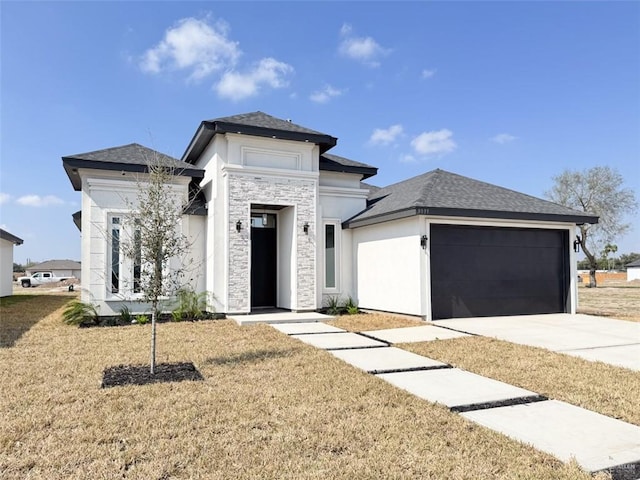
{"x": 441, "y": 193}
{"x": 334, "y": 163}
{"x": 258, "y": 124}
{"x": 126, "y": 158}
{"x": 10, "y": 238}
{"x": 635, "y": 263}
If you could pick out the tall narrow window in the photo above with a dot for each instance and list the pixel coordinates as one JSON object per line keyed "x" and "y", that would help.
{"x": 115, "y": 254}
{"x": 137, "y": 259}
{"x": 330, "y": 256}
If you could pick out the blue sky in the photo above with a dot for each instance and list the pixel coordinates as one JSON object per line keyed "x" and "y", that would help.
{"x": 510, "y": 93}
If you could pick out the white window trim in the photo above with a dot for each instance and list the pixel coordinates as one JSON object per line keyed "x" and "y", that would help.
{"x": 125, "y": 287}
{"x": 337, "y": 223}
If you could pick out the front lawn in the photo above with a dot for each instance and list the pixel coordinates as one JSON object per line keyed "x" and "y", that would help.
{"x": 269, "y": 407}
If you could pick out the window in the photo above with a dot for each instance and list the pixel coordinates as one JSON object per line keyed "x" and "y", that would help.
{"x": 331, "y": 256}
{"x": 124, "y": 269}
{"x": 115, "y": 254}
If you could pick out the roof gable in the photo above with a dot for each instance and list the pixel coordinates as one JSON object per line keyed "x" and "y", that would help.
{"x": 258, "y": 124}
{"x": 442, "y": 193}
{"x": 128, "y": 158}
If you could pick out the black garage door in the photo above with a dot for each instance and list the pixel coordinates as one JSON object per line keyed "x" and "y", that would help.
{"x": 487, "y": 271}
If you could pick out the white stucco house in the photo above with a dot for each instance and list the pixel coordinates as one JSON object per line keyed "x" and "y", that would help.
{"x": 7, "y": 242}
{"x": 633, "y": 270}
{"x": 277, "y": 221}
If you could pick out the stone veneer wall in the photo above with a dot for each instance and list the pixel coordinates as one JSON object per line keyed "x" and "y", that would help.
{"x": 300, "y": 193}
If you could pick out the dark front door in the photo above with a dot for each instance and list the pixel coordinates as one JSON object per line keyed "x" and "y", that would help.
{"x": 263, "y": 261}
{"x": 491, "y": 271}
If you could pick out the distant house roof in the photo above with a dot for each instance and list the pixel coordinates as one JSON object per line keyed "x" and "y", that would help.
{"x": 4, "y": 235}
{"x": 56, "y": 265}
{"x": 635, "y": 263}
{"x": 441, "y": 193}
{"x": 126, "y": 158}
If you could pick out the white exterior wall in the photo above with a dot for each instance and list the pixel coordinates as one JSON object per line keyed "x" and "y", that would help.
{"x": 389, "y": 268}
{"x": 633, "y": 273}
{"x": 6, "y": 268}
{"x": 105, "y": 194}
{"x": 340, "y": 199}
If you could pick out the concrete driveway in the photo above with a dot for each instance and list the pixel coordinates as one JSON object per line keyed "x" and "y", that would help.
{"x": 616, "y": 342}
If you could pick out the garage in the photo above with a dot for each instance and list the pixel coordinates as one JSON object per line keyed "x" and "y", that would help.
{"x": 479, "y": 271}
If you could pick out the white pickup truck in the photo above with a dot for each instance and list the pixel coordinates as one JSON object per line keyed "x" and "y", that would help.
{"x": 40, "y": 278}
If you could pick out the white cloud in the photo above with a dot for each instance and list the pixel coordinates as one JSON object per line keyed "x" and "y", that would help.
{"x": 362, "y": 49}
{"x": 381, "y": 136}
{"x": 4, "y": 198}
{"x": 503, "y": 138}
{"x": 428, "y": 73}
{"x": 194, "y": 45}
{"x": 267, "y": 72}
{"x": 38, "y": 201}
{"x": 407, "y": 159}
{"x": 434, "y": 143}
{"x": 326, "y": 94}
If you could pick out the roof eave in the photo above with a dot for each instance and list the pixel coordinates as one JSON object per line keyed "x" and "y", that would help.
{"x": 470, "y": 213}
{"x": 364, "y": 171}
{"x": 71, "y": 166}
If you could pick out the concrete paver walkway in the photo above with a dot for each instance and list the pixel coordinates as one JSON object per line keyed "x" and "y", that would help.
{"x": 454, "y": 387}
{"x": 596, "y": 442}
{"x": 424, "y": 333}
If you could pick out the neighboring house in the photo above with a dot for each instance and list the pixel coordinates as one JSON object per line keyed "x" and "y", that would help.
{"x": 59, "y": 268}
{"x": 277, "y": 221}
{"x": 7, "y": 242}
{"x": 633, "y": 270}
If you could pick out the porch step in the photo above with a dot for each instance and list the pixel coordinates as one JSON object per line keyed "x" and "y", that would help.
{"x": 279, "y": 317}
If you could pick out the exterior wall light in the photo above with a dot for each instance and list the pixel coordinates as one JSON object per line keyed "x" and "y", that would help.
{"x": 305, "y": 228}
{"x": 423, "y": 242}
{"x": 238, "y": 226}
{"x": 576, "y": 244}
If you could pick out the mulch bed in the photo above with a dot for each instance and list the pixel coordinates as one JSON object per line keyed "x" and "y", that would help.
{"x": 121, "y": 375}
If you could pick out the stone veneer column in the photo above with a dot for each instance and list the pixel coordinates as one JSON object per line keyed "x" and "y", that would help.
{"x": 300, "y": 193}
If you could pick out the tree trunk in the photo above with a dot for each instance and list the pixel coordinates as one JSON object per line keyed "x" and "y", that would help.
{"x": 154, "y": 315}
{"x": 592, "y": 278}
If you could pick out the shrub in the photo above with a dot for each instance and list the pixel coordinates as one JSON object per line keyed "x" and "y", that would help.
{"x": 333, "y": 305}
{"x": 125, "y": 314}
{"x": 77, "y": 313}
{"x": 351, "y": 306}
{"x": 141, "y": 319}
{"x": 191, "y": 306}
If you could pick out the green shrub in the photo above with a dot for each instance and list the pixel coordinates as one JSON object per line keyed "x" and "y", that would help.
{"x": 351, "y": 306}
{"x": 141, "y": 319}
{"x": 125, "y": 314}
{"x": 77, "y": 313}
{"x": 333, "y": 305}
{"x": 191, "y": 306}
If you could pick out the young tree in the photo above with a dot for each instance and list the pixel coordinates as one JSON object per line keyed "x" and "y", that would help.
{"x": 157, "y": 246}
{"x": 598, "y": 191}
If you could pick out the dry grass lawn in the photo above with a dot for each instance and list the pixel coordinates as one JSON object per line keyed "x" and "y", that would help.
{"x": 374, "y": 321}
{"x": 611, "y": 300}
{"x": 269, "y": 407}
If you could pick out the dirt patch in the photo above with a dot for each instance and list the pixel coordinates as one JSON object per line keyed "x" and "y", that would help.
{"x": 141, "y": 375}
